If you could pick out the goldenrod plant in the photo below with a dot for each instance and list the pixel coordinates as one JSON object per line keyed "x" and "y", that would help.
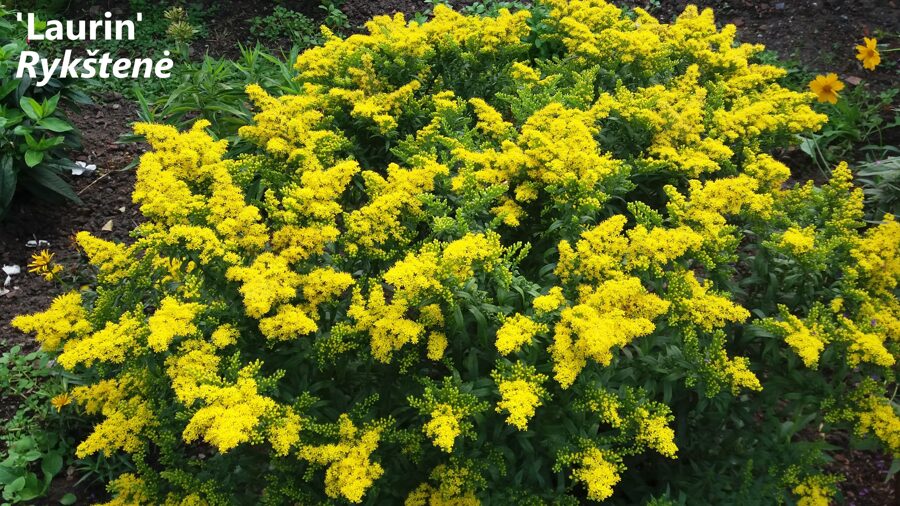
{"x": 545, "y": 257}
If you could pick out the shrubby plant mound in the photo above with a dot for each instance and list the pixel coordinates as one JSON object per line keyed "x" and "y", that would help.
{"x": 545, "y": 257}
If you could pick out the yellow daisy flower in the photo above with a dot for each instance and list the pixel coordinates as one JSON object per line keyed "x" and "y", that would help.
{"x": 827, "y": 87}
{"x": 868, "y": 53}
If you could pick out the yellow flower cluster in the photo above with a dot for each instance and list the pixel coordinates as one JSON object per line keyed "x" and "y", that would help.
{"x": 815, "y": 491}
{"x": 521, "y": 393}
{"x": 350, "y": 471}
{"x": 598, "y": 474}
{"x": 420, "y": 278}
{"x": 517, "y": 331}
{"x": 64, "y": 319}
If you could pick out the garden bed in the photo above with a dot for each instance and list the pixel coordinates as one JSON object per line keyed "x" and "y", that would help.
{"x": 814, "y": 35}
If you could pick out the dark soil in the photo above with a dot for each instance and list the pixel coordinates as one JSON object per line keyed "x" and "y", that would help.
{"x": 819, "y": 34}
{"x": 106, "y": 195}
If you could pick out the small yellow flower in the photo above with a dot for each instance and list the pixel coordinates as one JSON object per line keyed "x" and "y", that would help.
{"x": 61, "y": 400}
{"x": 42, "y": 263}
{"x": 868, "y": 53}
{"x": 827, "y": 87}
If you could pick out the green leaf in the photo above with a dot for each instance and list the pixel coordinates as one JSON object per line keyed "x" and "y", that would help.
{"x": 7, "y": 183}
{"x": 33, "y": 158}
{"x": 31, "y": 108}
{"x": 54, "y": 125}
{"x": 43, "y": 178}
{"x": 8, "y": 475}
{"x": 51, "y": 463}
{"x": 16, "y": 485}
{"x": 67, "y": 499}
{"x": 50, "y": 105}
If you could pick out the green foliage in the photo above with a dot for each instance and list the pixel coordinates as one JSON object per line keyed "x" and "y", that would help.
{"x": 214, "y": 89}
{"x": 335, "y": 19}
{"x": 34, "y": 131}
{"x": 284, "y": 23}
{"x": 858, "y": 123}
{"x": 880, "y": 180}
{"x": 34, "y": 451}
{"x": 492, "y": 7}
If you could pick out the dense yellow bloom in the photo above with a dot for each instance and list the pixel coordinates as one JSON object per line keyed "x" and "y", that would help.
{"x": 699, "y": 306}
{"x": 879, "y": 417}
{"x": 807, "y": 342}
{"x": 598, "y": 474}
{"x": 373, "y": 225}
{"x": 738, "y": 372}
{"x": 112, "y": 344}
{"x": 658, "y": 246}
{"x": 826, "y": 88}
{"x": 386, "y": 323}
{"x": 288, "y": 322}
{"x": 437, "y": 343}
{"x": 868, "y": 53}
{"x": 490, "y": 121}
{"x": 230, "y": 416}
{"x": 324, "y": 285}
{"x": 878, "y": 255}
{"x": 268, "y": 280}
{"x": 193, "y": 370}
{"x": 607, "y": 317}
{"x": 120, "y": 430}
{"x": 112, "y": 260}
{"x": 130, "y": 491}
{"x": 520, "y": 398}
{"x": 798, "y": 240}
{"x": 64, "y": 319}
{"x": 350, "y": 471}
{"x": 103, "y": 394}
{"x": 560, "y": 150}
{"x": 284, "y": 432}
{"x": 865, "y": 346}
{"x": 550, "y": 302}
{"x": 224, "y": 335}
{"x": 654, "y": 431}
{"x": 517, "y": 331}
{"x": 443, "y": 427}
{"x": 173, "y": 318}
{"x": 814, "y": 491}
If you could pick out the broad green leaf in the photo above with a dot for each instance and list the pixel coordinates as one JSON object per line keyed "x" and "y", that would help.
{"x": 32, "y": 158}
{"x": 54, "y": 125}
{"x": 51, "y": 463}
{"x": 31, "y": 108}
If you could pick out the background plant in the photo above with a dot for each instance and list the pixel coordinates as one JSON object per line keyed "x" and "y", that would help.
{"x": 34, "y": 132}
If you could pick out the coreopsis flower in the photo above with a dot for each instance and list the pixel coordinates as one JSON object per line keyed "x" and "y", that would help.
{"x": 868, "y": 53}
{"x": 61, "y": 401}
{"x": 42, "y": 263}
{"x": 826, "y": 87}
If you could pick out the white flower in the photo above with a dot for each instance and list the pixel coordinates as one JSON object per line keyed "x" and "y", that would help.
{"x": 81, "y": 167}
